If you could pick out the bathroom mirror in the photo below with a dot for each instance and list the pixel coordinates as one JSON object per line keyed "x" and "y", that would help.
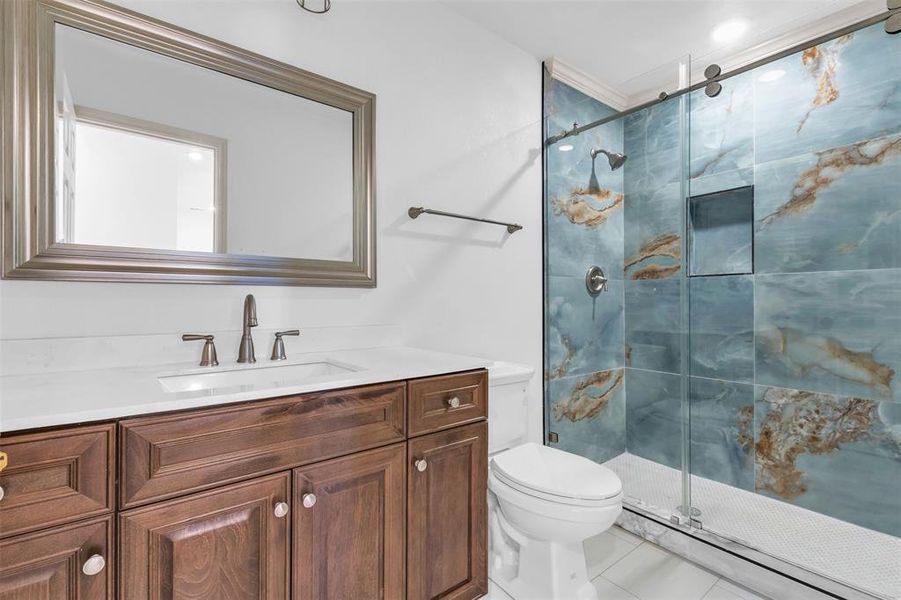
{"x": 144, "y": 152}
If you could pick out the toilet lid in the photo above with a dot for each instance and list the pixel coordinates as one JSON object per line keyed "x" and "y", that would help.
{"x": 556, "y": 472}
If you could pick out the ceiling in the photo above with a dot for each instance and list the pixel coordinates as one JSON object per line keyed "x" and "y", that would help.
{"x": 632, "y": 46}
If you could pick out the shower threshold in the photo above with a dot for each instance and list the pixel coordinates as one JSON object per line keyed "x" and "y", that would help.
{"x": 846, "y": 560}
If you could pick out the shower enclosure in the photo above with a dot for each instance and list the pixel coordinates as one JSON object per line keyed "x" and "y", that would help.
{"x": 735, "y": 356}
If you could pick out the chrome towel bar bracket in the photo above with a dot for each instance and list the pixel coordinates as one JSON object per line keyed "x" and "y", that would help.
{"x": 415, "y": 211}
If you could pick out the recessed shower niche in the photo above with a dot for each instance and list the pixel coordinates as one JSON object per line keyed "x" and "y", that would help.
{"x": 720, "y": 232}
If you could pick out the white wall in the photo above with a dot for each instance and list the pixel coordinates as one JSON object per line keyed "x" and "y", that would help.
{"x": 458, "y": 127}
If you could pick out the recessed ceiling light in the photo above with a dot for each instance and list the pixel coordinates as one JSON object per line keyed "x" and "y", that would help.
{"x": 565, "y": 148}
{"x": 195, "y": 155}
{"x": 771, "y": 75}
{"x": 729, "y": 31}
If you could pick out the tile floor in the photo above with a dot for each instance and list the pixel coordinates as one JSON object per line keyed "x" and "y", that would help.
{"x": 625, "y": 567}
{"x": 865, "y": 557}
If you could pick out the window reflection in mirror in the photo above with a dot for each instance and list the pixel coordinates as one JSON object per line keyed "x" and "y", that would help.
{"x": 138, "y": 184}
{"x": 157, "y": 153}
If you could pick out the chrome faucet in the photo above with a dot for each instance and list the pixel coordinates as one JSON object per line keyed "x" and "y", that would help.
{"x": 245, "y": 349}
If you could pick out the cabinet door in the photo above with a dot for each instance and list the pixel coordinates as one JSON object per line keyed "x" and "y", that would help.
{"x": 349, "y": 527}
{"x": 70, "y": 562}
{"x": 447, "y": 514}
{"x": 225, "y": 544}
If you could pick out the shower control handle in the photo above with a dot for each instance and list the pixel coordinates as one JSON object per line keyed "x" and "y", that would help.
{"x": 595, "y": 280}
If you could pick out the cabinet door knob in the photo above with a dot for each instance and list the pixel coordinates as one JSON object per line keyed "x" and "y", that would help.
{"x": 454, "y": 402}
{"x": 309, "y": 500}
{"x": 281, "y": 509}
{"x": 93, "y": 565}
{"x": 421, "y": 465}
{"x": 2, "y": 492}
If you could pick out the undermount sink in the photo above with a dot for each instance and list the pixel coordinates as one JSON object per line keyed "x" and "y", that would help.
{"x": 262, "y": 377}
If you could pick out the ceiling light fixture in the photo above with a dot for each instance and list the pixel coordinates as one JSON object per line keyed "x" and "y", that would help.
{"x": 565, "y": 148}
{"x": 729, "y": 31}
{"x": 195, "y": 155}
{"x": 326, "y": 6}
{"x": 771, "y": 75}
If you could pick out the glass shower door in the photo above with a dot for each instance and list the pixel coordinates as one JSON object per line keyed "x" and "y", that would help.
{"x": 794, "y": 283}
{"x": 654, "y": 467}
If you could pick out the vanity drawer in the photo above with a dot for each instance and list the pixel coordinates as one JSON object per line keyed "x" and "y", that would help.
{"x": 56, "y": 476}
{"x": 447, "y": 401}
{"x": 170, "y": 455}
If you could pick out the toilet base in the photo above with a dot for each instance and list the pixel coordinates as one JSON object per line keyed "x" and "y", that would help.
{"x": 548, "y": 571}
{"x": 531, "y": 569}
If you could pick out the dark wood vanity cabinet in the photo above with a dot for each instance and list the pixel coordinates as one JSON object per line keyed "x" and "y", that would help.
{"x": 230, "y": 544}
{"x": 52, "y": 564}
{"x": 447, "y": 514}
{"x": 376, "y": 492}
{"x": 349, "y": 527}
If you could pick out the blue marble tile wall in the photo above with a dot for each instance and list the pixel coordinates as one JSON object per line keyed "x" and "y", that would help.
{"x": 794, "y": 385}
{"x": 584, "y": 378}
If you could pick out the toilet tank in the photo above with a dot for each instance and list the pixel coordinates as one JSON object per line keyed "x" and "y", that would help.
{"x": 508, "y": 410}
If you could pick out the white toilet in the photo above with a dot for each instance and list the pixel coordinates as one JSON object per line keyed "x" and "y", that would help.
{"x": 543, "y": 502}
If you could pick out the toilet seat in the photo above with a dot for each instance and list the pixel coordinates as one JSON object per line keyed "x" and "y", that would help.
{"x": 556, "y": 476}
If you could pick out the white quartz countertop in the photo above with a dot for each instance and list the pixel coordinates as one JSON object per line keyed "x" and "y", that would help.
{"x": 69, "y": 397}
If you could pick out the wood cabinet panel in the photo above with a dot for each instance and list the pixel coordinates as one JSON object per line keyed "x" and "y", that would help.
{"x": 224, "y": 544}
{"x": 165, "y": 456}
{"x": 48, "y": 565}
{"x": 437, "y": 403}
{"x": 56, "y": 476}
{"x": 350, "y": 543}
{"x": 447, "y": 514}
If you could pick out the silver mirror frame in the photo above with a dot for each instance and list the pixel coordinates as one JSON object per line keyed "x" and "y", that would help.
{"x": 27, "y": 142}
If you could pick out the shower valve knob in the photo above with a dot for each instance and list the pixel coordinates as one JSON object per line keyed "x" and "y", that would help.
{"x": 595, "y": 280}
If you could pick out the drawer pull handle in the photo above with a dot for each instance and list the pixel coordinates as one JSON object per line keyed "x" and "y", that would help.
{"x": 309, "y": 500}
{"x": 2, "y": 492}
{"x": 421, "y": 465}
{"x": 4, "y": 460}
{"x": 281, "y": 509}
{"x": 93, "y": 565}
{"x": 454, "y": 402}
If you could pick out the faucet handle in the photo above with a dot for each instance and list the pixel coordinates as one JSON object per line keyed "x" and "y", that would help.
{"x": 278, "y": 348}
{"x": 208, "y": 358}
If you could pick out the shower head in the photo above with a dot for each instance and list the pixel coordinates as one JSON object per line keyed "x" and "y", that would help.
{"x": 615, "y": 159}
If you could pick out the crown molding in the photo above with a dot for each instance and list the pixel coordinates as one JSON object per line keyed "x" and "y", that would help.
{"x": 831, "y": 22}
{"x": 590, "y": 86}
{"x": 585, "y": 83}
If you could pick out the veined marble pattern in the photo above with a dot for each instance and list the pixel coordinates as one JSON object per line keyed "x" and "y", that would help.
{"x": 725, "y": 180}
{"x": 722, "y": 431}
{"x": 585, "y": 333}
{"x": 837, "y": 209}
{"x": 651, "y": 133}
{"x": 653, "y": 416}
{"x": 584, "y": 197}
{"x": 722, "y": 327}
{"x": 839, "y": 456}
{"x": 831, "y": 332}
{"x": 565, "y": 105}
{"x": 838, "y": 93}
{"x": 722, "y": 128}
{"x": 653, "y": 240}
{"x": 721, "y": 232}
{"x": 653, "y": 212}
{"x": 588, "y": 412}
{"x": 653, "y": 324}
{"x": 584, "y": 227}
